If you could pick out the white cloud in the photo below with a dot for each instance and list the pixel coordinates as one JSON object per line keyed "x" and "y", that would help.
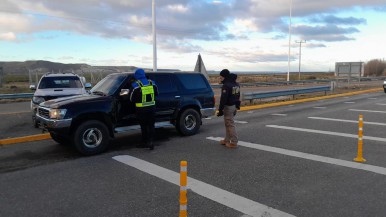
{"x": 9, "y": 36}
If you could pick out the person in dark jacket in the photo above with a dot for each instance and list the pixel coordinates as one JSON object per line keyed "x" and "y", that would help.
{"x": 143, "y": 92}
{"x": 229, "y": 104}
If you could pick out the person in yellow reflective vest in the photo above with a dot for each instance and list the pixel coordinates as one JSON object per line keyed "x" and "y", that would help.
{"x": 142, "y": 93}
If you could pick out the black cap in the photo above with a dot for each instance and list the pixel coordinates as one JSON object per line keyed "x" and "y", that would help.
{"x": 224, "y": 73}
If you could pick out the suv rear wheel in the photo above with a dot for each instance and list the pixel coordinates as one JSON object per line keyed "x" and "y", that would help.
{"x": 189, "y": 122}
{"x": 91, "y": 137}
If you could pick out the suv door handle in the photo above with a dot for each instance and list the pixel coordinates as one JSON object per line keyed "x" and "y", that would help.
{"x": 177, "y": 97}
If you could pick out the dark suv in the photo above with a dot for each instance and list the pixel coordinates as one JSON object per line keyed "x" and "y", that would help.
{"x": 90, "y": 121}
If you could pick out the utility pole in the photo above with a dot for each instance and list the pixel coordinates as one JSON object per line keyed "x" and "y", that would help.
{"x": 154, "y": 39}
{"x": 289, "y": 40}
{"x": 300, "y": 53}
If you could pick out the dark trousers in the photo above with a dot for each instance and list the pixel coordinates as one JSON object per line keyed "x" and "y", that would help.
{"x": 146, "y": 121}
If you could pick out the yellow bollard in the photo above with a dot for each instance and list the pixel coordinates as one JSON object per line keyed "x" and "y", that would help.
{"x": 183, "y": 189}
{"x": 359, "y": 157}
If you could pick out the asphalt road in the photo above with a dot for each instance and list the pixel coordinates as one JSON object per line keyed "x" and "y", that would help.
{"x": 295, "y": 159}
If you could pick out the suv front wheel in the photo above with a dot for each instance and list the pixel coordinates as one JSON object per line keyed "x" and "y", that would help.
{"x": 189, "y": 122}
{"x": 91, "y": 137}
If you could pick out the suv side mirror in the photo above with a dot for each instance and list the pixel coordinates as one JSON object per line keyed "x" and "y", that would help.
{"x": 87, "y": 85}
{"x": 124, "y": 92}
{"x": 32, "y": 87}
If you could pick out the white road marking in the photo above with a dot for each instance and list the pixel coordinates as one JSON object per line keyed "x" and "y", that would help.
{"x": 372, "y": 98}
{"x": 328, "y": 133}
{"x": 346, "y": 97}
{"x": 241, "y": 204}
{"x": 280, "y": 114}
{"x": 348, "y": 121}
{"x": 319, "y": 107}
{"x": 329, "y": 160}
{"x": 241, "y": 122}
{"x": 250, "y": 112}
{"x": 349, "y": 102}
{"x": 380, "y": 103}
{"x": 370, "y": 111}
{"x": 291, "y": 105}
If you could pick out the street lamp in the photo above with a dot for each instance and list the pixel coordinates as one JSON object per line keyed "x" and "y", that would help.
{"x": 154, "y": 38}
{"x": 289, "y": 41}
{"x": 300, "y": 53}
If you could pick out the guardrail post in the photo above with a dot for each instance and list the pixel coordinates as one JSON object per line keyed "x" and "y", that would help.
{"x": 359, "y": 157}
{"x": 183, "y": 188}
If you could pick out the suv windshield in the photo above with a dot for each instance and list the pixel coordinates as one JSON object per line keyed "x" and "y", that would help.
{"x": 60, "y": 82}
{"x": 109, "y": 84}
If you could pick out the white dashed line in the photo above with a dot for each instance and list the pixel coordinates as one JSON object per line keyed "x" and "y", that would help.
{"x": 329, "y": 160}
{"x": 370, "y": 111}
{"x": 241, "y": 204}
{"x": 348, "y": 121}
{"x": 328, "y": 133}
{"x": 349, "y": 102}
{"x": 241, "y": 122}
{"x": 319, "y": 107}
{"x": 279, "y": 114}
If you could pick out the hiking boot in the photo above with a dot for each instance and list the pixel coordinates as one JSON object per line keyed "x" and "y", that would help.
{"x": 222, "y": 142}
{"x": 231, "y": 145}
{"x": 151, "y": 146}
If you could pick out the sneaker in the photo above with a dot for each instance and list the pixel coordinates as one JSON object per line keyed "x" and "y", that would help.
{"x": 231, "y": 145}
{"x": 222, "y": 142}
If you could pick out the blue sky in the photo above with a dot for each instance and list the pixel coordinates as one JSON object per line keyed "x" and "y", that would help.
{"x": 242, "y": 35}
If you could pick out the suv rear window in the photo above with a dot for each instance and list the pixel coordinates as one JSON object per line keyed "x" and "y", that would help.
{"x": 192, "y": 81}
{"x": 60, "y": 82}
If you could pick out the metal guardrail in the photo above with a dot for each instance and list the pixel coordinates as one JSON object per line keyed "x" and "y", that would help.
{"x": 16, "y": 95}
{"x": 259, "y": 95}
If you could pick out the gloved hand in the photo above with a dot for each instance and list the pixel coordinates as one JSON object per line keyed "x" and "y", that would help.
{"x": 234, "y": 113}
{"x": 220, "y": 113}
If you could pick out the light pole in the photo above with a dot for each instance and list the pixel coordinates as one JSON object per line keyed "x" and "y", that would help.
{"x": 154, "y": 38}
{"x": 300, "y": 53}
{"x": 289, "y": 41}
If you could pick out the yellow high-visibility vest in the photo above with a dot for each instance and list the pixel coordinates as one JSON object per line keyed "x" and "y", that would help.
{"x": 146, "y": 91}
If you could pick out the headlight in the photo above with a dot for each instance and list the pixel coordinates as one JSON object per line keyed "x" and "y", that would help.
{"x": 57, "y": 113}
{"x": 37, "y": 99}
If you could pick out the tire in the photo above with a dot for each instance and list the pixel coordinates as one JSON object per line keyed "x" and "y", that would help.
{"x": 189, "y": 122}
{"x": 384, "y": 90}
{"x": 61, "y": 140}
{"x": 35, "y": 123}
{"x": 91, "y": 137}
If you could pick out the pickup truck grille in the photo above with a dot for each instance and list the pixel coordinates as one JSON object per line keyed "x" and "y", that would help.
{"x": 45, "y": 113}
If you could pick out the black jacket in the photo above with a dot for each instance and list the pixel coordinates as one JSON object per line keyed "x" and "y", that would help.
{"x": 230, "y": 92}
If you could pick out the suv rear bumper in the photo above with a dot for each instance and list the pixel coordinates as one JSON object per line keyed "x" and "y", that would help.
{"x": 207, "y": 112}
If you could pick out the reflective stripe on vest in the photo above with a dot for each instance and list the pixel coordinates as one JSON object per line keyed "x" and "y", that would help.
{"x": 146, "y": 90}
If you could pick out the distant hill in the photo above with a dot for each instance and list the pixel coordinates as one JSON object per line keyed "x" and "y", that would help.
{"x": 42, "y": 66}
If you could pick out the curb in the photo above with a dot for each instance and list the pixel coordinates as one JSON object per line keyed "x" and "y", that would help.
{"x": 25, "y": 139}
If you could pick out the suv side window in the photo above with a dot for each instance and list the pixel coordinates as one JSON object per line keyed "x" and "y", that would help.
{"x": 192, "y": 81}
{"x": 164, "y": 83}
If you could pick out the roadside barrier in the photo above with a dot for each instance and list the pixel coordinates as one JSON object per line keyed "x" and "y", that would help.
{"x": 183, "y": 188}
{"x": 259, "y": 95}
{"x": 359, "y": 157}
